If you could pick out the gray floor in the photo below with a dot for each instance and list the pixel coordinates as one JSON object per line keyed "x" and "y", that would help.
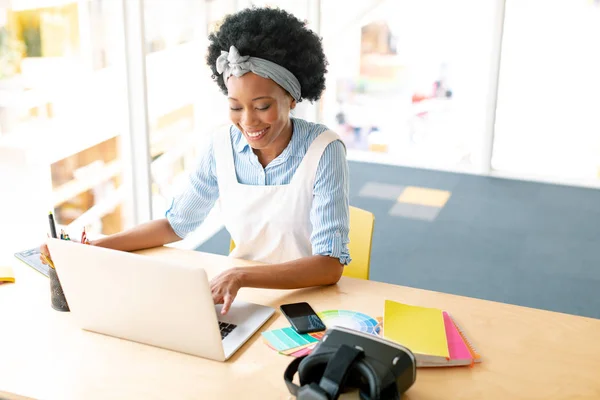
{"x": 524, "y": 243}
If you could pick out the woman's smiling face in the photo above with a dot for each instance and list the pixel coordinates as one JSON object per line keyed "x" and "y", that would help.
{"x": 260, "y": 109}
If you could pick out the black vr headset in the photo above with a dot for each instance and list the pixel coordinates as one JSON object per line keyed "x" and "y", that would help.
{"x": 347, "y": 359}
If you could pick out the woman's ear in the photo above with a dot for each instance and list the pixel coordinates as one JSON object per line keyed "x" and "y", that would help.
{"x": 293, "y": 104}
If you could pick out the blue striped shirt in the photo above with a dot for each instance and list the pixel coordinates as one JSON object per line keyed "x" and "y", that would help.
{"x": 329, "y": 215}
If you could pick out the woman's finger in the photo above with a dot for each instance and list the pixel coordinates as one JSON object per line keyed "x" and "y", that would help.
{"x": 217, "y": 298}
{"x": 44, "y": 254}
{"x": 227, "y": 303}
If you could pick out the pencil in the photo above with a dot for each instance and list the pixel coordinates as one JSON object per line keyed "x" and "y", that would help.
{"x": 48, "y": 261}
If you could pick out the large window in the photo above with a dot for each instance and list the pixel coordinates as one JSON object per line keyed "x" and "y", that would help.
{"x": 183, "y": 102}
{"x": 548, "y": 120}
{"x": 408, "y": 79}
{"x": 62, "y": 115}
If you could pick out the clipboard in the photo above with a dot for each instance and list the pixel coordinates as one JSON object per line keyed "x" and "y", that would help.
{"x": 31, "y": 257}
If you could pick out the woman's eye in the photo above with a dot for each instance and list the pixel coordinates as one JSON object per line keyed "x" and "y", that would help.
{"x": 263, "y": 108}
{"x": 235, "y": 109}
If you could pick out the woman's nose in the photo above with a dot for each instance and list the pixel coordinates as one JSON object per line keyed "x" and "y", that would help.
{"x": 249, "y": 119}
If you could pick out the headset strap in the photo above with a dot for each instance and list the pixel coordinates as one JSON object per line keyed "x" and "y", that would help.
{"x": 333, "y": 378}
{"x": 337, "y": 369}
{"x": 289, "y": 373}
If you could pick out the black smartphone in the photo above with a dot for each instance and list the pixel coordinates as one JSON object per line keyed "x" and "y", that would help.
{"x": 302, "y": 317}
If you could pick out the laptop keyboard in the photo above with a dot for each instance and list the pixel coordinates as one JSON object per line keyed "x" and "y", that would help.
{"x": 225, "y": 328}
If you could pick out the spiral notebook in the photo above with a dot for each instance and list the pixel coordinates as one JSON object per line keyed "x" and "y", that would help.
{"x": 475, "y": 356}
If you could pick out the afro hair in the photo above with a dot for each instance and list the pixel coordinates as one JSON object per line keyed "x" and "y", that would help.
{"x": 277, "y": 36}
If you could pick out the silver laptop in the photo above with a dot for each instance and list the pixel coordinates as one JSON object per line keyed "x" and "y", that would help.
{"x": 151, "y": 301}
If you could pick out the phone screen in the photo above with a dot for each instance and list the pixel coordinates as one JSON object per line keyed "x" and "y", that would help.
{"x": 302, "y": 317}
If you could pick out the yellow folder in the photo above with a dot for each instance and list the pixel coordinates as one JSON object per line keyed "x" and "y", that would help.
{"x": 421, "y": 329}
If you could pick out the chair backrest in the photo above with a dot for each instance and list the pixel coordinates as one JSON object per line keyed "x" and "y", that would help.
{"x": 362, "y": 224}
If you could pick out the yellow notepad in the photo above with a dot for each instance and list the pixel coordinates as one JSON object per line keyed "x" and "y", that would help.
{"x": 6, "y": 274}
{"x": 420, "y": 329}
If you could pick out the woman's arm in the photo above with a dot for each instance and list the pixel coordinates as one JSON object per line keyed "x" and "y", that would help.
{"x": 144, "y": 236}
{"x": 304, "y": 272}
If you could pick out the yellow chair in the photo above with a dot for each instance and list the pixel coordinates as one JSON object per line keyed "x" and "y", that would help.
{"x": 362, "y": 224}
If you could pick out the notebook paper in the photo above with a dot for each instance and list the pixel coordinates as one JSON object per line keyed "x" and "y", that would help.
{"x": 421, "y": 329}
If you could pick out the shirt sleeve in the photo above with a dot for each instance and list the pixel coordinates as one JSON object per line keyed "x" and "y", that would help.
{"x": 330, "y": 213}
{"x": 189, "y": 209}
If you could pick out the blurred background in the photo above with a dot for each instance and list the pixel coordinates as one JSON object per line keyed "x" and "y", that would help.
{"x": 104, "y": 104}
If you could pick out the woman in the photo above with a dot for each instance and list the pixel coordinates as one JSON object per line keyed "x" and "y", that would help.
{"x": 281, "y": 182}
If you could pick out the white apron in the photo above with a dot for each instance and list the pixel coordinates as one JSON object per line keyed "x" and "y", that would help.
{"x": 269, "y": 224}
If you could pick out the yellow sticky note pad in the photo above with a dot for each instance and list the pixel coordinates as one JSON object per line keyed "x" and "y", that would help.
{"x": 6, "y": 274}
{"x": 424, "y": 196}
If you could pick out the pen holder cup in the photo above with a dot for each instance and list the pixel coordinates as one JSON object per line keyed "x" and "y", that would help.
{"x": 57, "y": 296}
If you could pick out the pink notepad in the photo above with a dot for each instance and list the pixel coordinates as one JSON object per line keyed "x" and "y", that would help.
{"x": 459, "y": 349}
{"x": 459, "y": 352}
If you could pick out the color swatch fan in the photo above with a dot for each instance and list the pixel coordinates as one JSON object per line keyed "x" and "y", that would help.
{"x": 351, "y": 320}
{"x": 287, "y": 341}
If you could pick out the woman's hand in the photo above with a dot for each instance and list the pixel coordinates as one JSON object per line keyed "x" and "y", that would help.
{"x": 44, "y": 254}
{"x": 224, "y": 288}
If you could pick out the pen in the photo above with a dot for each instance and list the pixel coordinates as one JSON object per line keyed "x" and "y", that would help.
{"x": 52, "y": 226}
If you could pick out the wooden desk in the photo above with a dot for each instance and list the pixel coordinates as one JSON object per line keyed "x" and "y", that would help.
{"x": 528, "y": 353}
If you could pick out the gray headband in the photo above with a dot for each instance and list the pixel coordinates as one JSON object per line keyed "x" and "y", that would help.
{"x": 233, "y": 63}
